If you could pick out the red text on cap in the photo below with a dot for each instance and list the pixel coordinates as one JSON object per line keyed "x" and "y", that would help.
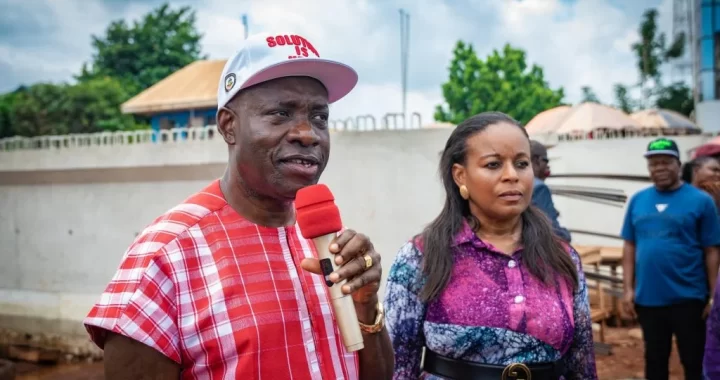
{"x": 301, "y": 44}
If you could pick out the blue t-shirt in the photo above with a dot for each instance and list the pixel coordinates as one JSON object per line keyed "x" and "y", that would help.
{"x": 670, "y": 230}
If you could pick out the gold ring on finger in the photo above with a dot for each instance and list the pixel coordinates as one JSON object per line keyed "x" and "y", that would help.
{"x": 368, "y": 261}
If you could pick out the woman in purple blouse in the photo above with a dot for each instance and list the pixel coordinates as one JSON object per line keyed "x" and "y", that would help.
{"x": 486, "y": 290}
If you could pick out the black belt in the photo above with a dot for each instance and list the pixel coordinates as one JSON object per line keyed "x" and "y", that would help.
{"x": 463, "y": 370}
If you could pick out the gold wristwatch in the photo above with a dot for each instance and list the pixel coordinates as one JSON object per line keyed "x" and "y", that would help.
{"x": 379, "y": 321}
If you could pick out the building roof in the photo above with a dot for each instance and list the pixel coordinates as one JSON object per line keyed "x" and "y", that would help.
{"x": 590, "y": 116}
{"x": 547, "y": 121}
{"x": 194, "y": 86}
{"x": 663, "y": 118}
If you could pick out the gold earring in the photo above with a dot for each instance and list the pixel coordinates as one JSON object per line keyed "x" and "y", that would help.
{"x": 464, "y": 192}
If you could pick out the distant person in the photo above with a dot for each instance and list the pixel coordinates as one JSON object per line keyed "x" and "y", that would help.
{"x": 671, "y": 236}
{"x": 704, "y": 173}
{"x": 542, "y": 197}
{"x": 487, "y": 289}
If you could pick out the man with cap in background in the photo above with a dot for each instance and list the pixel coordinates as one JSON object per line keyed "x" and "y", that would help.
{"x": 542, "y": 196}
{"x": 224, "y": 286}
{"x": 671, "y": 235}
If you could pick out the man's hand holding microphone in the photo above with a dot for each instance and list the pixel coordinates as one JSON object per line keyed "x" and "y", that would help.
{"x": 348, "y": 261}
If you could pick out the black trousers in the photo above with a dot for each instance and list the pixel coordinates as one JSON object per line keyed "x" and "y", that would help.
{"x": 658, "y": 326}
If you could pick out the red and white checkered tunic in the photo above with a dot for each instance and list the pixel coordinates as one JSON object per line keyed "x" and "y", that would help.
{"x": 224, "y": 297}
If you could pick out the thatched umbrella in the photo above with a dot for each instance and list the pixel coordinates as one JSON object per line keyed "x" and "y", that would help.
{"x": 547, "y": 121}
{"x": 589, "y": 117}
{"x": 664, "y": 119}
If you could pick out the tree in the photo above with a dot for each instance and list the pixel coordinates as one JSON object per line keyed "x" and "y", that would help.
{"x": 623, "y": 99}
{"x": 502, "y": 82}
{"x": 140, "y": 55}
{"x": 652, "y": 52}
{"x": 126, "y": 60}
{"x": 589, "y": 95}
{"x": 40, "y": 110}
{"x": 7, "y": 104}
{"x": 54, "y": 109}
{"x": 677, "y": 97}
{"x": 93, "y": 106}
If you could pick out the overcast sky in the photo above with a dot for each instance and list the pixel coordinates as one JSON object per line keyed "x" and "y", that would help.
{"x": 577, "y": 42}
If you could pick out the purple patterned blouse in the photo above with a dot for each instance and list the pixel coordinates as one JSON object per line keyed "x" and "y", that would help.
{"x": 492, "y": 311}
{"x": 711, "y": 361}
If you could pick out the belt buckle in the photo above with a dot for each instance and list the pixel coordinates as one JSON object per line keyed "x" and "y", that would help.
{"x": 517, "y": 371}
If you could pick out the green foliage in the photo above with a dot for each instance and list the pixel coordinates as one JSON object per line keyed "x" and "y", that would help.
{"x": 52, "y": 109}
{"x": 589, "y": 95}
{"x": 40, "y": 110}
{"x": 142, "y": 54}
{"x": 126, "y": 60}
{"x": 623, "y": 99}
{"x": 502, "y": 82}
{"x": 652, "y": 52}
{"x": 7, "y": 104}
{"x": 93, "y": 106}
{"x": 677, "y": 97}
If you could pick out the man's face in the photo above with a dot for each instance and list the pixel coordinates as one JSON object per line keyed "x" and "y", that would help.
{"x": 664, "y": 170}
{"x": 278, "y": 135}
{"x": 540, "y": 163}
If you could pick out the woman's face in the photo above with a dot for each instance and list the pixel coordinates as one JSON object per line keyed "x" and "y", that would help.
{"x": 708, "y": 171}
{"x": 497, "y": 172}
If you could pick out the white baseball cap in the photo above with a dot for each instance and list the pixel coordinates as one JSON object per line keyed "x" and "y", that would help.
{"x": 263, "y": 57}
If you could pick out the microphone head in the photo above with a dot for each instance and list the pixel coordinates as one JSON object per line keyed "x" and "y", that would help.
{"x": 317, "y": 214}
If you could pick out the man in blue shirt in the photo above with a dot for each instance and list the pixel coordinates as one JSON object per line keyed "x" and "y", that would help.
{"x": 542, "y": 197}
{"x": 670, "y": 261}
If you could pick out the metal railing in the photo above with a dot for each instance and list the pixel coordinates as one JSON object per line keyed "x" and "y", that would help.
{"x": 390, "y": 121}
{"x": 361, "y": 123}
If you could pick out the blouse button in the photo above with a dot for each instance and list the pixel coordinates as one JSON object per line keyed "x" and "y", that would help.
{"x": 511, "y": 264}
{"x": 519, "y": 299}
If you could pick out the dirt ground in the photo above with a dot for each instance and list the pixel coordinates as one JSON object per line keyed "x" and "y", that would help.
{"x": 81, "y": 371}
{"x": 626, "y": 362}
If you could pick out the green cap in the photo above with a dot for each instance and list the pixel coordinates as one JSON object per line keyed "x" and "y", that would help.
{"x": 662, "y": 146}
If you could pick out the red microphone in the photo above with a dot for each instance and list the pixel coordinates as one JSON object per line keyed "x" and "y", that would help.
{"x": 319, "y": 220}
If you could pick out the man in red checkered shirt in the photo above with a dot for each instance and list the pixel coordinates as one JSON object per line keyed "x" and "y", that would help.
{"x": 223, "y": 285}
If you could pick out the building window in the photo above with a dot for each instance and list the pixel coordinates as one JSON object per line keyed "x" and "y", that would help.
{"x": 707, "y": 54}
{"x": 707, "y": 88}
{"x": 211, "y": 120}
{"x": 167, "y": 123}
{"x": 196, "y": 121}
{"x": 706, "y": 21}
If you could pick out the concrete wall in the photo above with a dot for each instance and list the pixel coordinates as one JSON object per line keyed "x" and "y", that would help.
{"x": 67, "y": 214}
{"x": 707, "y": 114}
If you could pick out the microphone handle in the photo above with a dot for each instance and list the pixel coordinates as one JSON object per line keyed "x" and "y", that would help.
{"x": 343, "y": 305}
